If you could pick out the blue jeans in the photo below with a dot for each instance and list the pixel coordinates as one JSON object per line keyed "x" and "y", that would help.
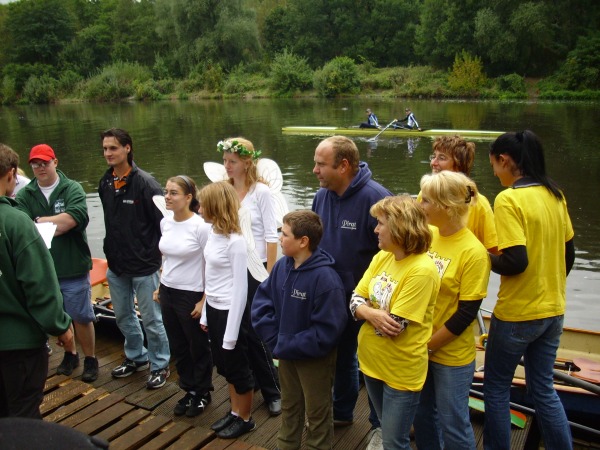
{"x": 122, "y": 291}
{"x": 396, "y": 410}
{"x": 345, "y": 387}
{"x": 442, "y": 420}
{"x": 537, "y": 341}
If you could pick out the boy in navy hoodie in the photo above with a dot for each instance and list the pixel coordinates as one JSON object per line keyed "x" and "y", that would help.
{"x": 300, "y": 313}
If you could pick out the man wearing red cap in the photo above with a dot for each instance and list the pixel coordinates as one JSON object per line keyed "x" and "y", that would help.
{"x": 52, "y": 197}
{"x": 31, "y": 306}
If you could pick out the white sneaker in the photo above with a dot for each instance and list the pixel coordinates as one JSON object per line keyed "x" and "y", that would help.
{"x": 376, "y": 441}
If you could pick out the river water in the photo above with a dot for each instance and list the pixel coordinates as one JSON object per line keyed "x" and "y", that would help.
{"x": 173, "y": 138}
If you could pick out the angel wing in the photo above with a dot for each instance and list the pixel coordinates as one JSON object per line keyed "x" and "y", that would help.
{"x": 255, "y": 265}
{"x": 215, "y": 171}
{"x": 159, "y": 201}
{"x": 271, "y": 173}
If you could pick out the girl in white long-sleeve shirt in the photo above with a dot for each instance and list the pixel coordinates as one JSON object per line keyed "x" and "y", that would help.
{"x": 223, "y": 317}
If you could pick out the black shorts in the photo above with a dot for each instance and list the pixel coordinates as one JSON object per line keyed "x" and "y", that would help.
{"x": 231, "y": 364}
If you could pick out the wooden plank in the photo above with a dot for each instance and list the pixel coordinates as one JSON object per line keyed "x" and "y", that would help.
{"x": 63, "y": 395}
{"x": 167, "y": 436}
{"x": 92, "y": 410}
{"x": 126, "y": 423}
{"x": 101, "y": 420}
{"x": 140, "y": 434}
{"x": 221, "y": 444}
{"x": 67, "y": 410}
{"x": 151, "y": 398}
{"x": 54, "y": 381}
{"x": 193, "y": 439}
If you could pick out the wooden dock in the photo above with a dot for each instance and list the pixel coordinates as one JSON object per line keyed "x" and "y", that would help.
{"x": 129, "y": 416}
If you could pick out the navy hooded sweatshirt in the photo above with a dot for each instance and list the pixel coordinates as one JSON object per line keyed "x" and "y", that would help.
{"x": 348, "y": 228}
{"x": 300, "y": 313}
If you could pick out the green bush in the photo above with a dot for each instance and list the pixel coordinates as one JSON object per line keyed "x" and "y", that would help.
{"x": 290, "y": 73}
{"x": 8, "y": 90}
{"x": 338, "y": 76}
{"x": 467, "y": 77}
{"x": 245, "y": 78}
{"x": 511, "y": 83}
{"x": 147, "y": 91}
{"x": 581, "y": 68}
{"x": 22, "y": 72}
{"x": 68, "y": 81}
{"x": 213, "y": 77}
{"x": 40, "y": 90}
{"x": 116, "y": 82}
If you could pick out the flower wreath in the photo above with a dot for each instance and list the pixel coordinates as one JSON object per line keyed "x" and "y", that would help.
{"x": 236, "y": 147}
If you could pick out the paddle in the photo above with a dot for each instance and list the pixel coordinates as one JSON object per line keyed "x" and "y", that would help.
{"x": 517, "y": 418}
{"x": 569, "y": 379}
{"x": 377, "y": 135}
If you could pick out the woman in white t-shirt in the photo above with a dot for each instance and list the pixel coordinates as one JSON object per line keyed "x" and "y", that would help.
{"x": 239, "y": 160}
{"x": 181, "y": 293}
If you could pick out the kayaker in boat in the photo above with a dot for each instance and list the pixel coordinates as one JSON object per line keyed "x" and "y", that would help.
{"x": 224, "y": 316}
{"x": 31, "y": 306}
{"x": 442, "y": 420}
{"x": 410, "y": 119}
{"x": 239, "y": 160}
{"x": 181, "y": 293}
{"x": 535, "y": 236}
{"x": 396, "y": 298}
{"x": 457, "y": 155}
{"x": 371, "y": 122}
{"x": 51, "y": 197}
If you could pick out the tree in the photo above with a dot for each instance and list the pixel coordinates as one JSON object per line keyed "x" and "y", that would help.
{"x": 39, "y": 30}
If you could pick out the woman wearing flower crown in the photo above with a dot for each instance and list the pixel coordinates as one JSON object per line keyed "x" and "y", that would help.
{"x": 239, "y": 160}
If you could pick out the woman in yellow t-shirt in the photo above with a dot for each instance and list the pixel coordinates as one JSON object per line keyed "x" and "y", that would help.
{"x": 535, "y": 236}
{"x": 442, "y": 420}
{"x": 455, "y": 154}
{"x": 396, "y": 297}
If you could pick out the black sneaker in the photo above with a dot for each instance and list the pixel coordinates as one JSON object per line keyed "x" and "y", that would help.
{"x": 90, "y": 369}
{"x": 128, "y": 367}
{"x": 183, "y": 404}
{"x": 68, "y": 364}
{"x": 237, "y": 429}
{"x": 223, "y": 422}
{"x": 157, "y": 378}
{"x": 198, "y": 405}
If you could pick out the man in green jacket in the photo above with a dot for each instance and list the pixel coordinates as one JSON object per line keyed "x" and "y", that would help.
{"x": 52, "y": 197}
{"x": 31, "y": 304}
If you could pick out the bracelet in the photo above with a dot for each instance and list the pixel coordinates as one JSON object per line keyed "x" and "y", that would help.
{"x": 429, "y": 351}
{"x": 36, "y": 219}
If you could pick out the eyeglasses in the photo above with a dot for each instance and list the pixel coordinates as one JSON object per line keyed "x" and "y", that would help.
{"x": 441, "y": 157}
{"x": 35, "y": 166}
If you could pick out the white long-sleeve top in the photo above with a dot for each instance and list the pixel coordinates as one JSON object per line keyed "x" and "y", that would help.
{"x": 182, "y": 245}
{"x": 226, "y": 282}
{"x": 259, "y": 202}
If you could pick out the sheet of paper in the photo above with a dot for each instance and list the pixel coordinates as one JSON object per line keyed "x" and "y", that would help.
{"x": 47, "y": 231}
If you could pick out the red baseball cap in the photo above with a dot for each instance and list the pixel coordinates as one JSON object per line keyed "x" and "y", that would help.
{"x": 43, "y": 152}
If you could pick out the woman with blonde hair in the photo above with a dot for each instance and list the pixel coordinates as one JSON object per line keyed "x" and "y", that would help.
{"x": 223, "y": 315}
{"x": 239, "y": 160}
{"x": 396, "y": 298}
{"x": 442, "y": 420}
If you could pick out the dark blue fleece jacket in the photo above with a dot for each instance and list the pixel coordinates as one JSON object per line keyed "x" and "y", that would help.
{"x": 300, "y": 313}
{"x": 348, "y": 228}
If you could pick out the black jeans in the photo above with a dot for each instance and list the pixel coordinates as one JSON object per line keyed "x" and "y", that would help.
{"x": 22, "y": 377}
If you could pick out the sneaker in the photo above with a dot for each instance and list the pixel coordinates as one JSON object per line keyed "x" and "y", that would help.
{"x": 182, "y": 405}
{"x": 223, "y": 422}
{"x": 274, "y": 407}
{"x": 90, "y": 369}
{"x": 48, "y": 348}
{"x": 128, "y": 367}
{"x": 198, "y": 405}
{"x": 237, "y": 428}
{"x": 68, "y": 364}
{"x": 375, "y": 441}
{"x": 157, "y": 378}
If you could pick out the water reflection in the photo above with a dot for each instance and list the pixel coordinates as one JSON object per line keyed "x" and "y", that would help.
{"x": 177, "y": 137}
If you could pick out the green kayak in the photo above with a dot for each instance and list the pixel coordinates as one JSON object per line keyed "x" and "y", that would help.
{"x": 355, "y": 131}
